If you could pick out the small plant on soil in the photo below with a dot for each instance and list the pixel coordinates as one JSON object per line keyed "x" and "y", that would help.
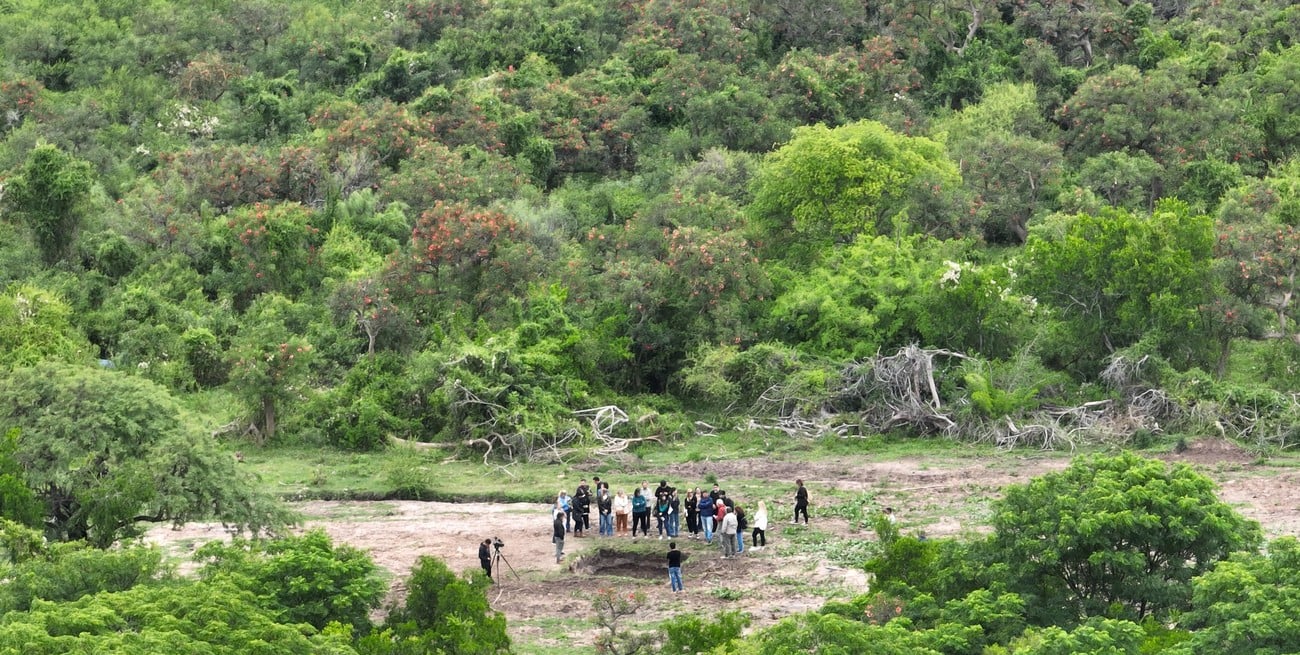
{"x": 727, "y": 593}
{"x": 611, "y": 607}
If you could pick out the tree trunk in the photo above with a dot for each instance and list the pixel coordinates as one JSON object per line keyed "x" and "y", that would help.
{"x": 268, "y": 420}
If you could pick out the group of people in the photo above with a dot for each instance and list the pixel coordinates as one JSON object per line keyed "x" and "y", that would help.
{"x": 708, "y": 514}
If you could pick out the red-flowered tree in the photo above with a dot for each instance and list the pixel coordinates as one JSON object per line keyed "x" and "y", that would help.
{"x": 367, "y": 304}
{"x": 269, "y": 248}
{"x": 462, "y": 258}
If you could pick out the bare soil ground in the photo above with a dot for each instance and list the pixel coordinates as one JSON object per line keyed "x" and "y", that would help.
{"x": 541, "y": 599}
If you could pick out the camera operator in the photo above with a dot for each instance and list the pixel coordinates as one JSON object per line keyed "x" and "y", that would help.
{"x": 485, "y": 557}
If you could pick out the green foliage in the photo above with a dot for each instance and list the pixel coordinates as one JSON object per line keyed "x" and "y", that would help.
{"x": 216, "y": 619}
{"x": 268, "y": 362}
{"x": 1097, "y": 636}
{"x": 37, "y": 325}
{"x": 367, "y": 406}
{"x": 904, "y": 562}
{"x": 104, "y": 450}
{"x": 726, "y": 375}
{"x": 1111, "y": 535}
{"x": 18, "y": 503}
{"x": 48, "y": 192}
{"x": 442, "y": 613}
{"x": 1246, "y": 604}
{"x": 301, "y": 579}
{"x": 688, "y": 633}
{"x": 521, "y": 384}
{"x": 67, "y": 571}
{"x": 827, "y": 186}
{"x": 1087, "y": 273}
{"x": 860, "y": 300}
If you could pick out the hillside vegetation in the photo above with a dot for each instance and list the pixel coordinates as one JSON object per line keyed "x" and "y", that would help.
{"x": 526, "y": 232}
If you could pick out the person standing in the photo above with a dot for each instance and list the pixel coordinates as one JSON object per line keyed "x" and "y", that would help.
{"x": 800, "y": 502}
{"x": 727, "y": 532}
{"x": 640, "y": 513}
{"x": 705, "y": 508}
{"x": 661, "y": 514}
{"x": 674, "y": 567}
{"x": 582, "y": 510}
{"x": 605, "y": 510}
{"x": 741, "y": 526}
{"x": 674, "y": 513}
{"x": 565, "y": 503}
{"x": 621, "y": 509}
{"x": 759, "y": 538}
{"x": 485, "y": 557}
{"x": 557, "y": 537}
{"x": 693, "y": 512}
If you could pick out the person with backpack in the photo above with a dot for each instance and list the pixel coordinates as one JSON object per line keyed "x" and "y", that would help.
{"x": 640, "y": 513}
{"x": 705, "y": 508}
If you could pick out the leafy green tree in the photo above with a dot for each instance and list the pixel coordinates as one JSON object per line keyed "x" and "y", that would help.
{"x": 443, "y": 613}
{"x": 689, "y": 633}
{"x": 1097, "y": 636}
{"x": 269, "y": 362}
{"x": 367, "y": 406}
{"x": 18, "y": 503}
{"x": 1247, "y": 604}
{"x": 269, "y": 248}
{"x": 974, "y": 308}
{"x": 858, "y": 300}
{"x": 303, "y": 579}
{"x": 1119, "y": 534}
{"x": 48, "y": 192}
{"x": 104, "y": 451}
{"x": 37, "y": 325}
{"x": 1084, "y": 268}
{"x": 826, "y": 186}
{"x": 833, "y": 634}
{"x": 213, "y": 619}
{"x": 63, "y": 572}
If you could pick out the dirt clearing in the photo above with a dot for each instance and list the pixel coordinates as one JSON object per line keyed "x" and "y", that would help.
{"x": 545, "y": 603}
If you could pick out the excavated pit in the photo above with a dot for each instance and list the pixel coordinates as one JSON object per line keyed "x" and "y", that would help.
{"x": 618, "y": 563}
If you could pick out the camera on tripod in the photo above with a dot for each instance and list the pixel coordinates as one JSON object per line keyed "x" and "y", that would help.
{"x": 497, "y": 543}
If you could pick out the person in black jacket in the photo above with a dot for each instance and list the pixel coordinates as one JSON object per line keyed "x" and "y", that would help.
{"x": 674, "y": 567}
{"x": 582, "y": 510}
{"x": 800, "y": 502}
{"x": 557, "y": 537}
{"x": 485, "y": 557}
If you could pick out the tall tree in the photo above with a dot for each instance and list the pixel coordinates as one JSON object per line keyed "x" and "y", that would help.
{"x": 1114, "y": 532}
{"x": 104, "y": 450}
{"x": 1118, "y": 277}
{"x": 48, "y": 192}
{"x": 826, "y": 186}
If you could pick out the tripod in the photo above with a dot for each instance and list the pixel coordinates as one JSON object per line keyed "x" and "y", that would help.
{"x": 497, "y": 560}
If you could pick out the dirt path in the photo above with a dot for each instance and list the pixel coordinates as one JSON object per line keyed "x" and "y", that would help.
{"x": 944, "y": 498}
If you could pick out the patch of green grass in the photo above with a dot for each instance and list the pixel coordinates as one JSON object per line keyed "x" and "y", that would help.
{"x": 323, "y": 473}
{"x": 852, "y": 552}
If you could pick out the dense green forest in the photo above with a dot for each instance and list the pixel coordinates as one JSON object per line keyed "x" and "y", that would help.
{"x": 515, "y": 229}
